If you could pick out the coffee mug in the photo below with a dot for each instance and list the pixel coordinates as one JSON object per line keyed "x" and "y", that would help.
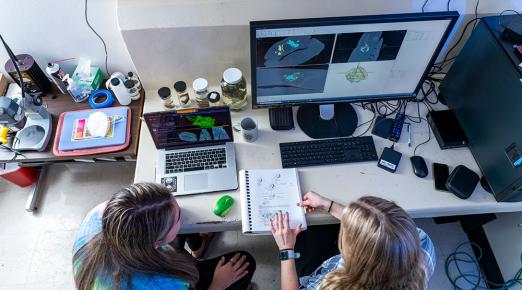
{"x": 248, "y": 127}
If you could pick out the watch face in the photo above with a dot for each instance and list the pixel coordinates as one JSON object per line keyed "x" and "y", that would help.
{"x": 283, "y": 255}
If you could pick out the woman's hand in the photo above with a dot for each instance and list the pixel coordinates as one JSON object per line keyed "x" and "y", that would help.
{"x": 230, "y": 272}
{"x": 284, "y": 236}
{"x": 312, "y": 201}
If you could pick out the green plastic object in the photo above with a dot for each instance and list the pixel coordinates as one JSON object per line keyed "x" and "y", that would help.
{"x": 223, "y": 205}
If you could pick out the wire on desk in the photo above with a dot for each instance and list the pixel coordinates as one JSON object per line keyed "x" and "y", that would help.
{"x": 16, "y": 152}
{"x": 102, "y": 40}
{"x": 448, "y": 5}
{"x": 476, "y": 13}
{"x": 474, "y": 278}
{"x": 424, "y": 5}
{"x": 502, "y": 13}
{"x": 427, "y": 140}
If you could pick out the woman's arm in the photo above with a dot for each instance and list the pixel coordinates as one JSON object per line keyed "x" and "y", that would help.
{"x": 313, "y": 201}
{"x": 285, "y": 238}
{"x": 289, "y": 280}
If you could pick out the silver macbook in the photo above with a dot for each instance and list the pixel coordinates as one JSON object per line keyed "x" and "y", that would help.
{"x": 195, "y": 150}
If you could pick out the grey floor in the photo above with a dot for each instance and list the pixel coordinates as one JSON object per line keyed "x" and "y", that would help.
{"x": 35, "y": 249}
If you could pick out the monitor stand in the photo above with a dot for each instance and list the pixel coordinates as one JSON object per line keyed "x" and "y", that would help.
{"x": 327, "y": 121}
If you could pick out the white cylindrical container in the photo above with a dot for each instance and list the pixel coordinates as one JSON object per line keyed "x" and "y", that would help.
{"x": 120, "y": 91}
{"x": 200, "y": 87}
{"x": 114, "y": 75}
{"x": 57, "y": 74}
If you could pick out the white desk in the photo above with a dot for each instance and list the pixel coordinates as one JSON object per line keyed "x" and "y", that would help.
{"x": 342, "y": 183}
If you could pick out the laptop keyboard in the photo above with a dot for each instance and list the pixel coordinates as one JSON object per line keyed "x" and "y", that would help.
{"x": 201, "y": 159}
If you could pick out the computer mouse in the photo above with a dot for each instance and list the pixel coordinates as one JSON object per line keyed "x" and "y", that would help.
{"x": 223, "y": 205}
{"x": 419, "y": 166}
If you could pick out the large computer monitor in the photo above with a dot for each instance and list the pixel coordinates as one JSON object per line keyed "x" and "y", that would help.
{"x": 323, "y": 64}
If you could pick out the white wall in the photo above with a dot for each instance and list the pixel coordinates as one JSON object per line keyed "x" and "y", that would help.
{"x": 173, "y": 40}
{"x": 55, "y": 29}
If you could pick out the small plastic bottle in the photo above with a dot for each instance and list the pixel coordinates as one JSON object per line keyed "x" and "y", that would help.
{"x": 120, "y": 91}
{"x": 233, "y": 87}
{"x": 214, "y": 99}
{"x": 134, "y": 78}
{"x": 200, "y": 87}
{"x": 166, "y": 99}
{"x": 131, "y": 88}
{"x": 184, "y": 97}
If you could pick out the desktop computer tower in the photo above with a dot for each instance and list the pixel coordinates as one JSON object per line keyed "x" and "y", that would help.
{"x": 484, "y": 90}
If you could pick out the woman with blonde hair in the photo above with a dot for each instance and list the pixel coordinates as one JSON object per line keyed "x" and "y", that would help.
{"x": 132, "y": 242}
{"x": 380, "y": 248}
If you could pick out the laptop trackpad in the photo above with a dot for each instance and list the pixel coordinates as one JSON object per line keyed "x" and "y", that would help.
{"x": 196, "y": 182}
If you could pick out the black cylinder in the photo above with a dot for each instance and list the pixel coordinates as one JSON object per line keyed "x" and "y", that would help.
{"x": 35, "y": 80}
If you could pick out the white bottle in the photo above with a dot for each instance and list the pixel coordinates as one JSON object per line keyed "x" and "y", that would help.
{"x": 120, "y": 92}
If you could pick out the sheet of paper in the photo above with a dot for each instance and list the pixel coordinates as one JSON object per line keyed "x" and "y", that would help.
{"x": 272, "y": 191}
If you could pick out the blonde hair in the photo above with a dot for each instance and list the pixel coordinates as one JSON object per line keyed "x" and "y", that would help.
{"x": 380, "y": 246}
{"x": 135, "y": 218}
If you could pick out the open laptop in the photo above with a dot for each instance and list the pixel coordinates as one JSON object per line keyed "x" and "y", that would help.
{"x": 195, "y": 150}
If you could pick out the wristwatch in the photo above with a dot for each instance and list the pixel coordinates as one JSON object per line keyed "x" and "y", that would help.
{"x": 288, "y": 254}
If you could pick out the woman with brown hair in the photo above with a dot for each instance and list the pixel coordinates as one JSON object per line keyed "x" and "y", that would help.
{"x": 380, "y": 248}
{"x": 129, "y": 242}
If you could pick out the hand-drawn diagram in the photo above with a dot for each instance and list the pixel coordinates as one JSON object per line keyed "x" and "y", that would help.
{"x": 272, "y": 189}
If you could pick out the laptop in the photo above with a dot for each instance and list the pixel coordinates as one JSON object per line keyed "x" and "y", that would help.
{"x": 195, "y": 150}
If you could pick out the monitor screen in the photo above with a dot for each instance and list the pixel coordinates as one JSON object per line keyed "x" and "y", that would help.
{"x": 360, "y": 58}
{"x": 191, "y": 127}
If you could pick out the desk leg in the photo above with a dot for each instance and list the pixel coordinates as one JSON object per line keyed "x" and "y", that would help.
{"x": 34, "y": 194}
{"x": 472, "y": 226}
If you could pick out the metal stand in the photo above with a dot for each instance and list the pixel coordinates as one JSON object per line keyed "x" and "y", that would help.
{"x": 34, "y": 195}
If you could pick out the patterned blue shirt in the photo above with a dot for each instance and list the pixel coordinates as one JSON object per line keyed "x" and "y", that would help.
{"x": 313, "y": 281}
{"x": 91, "y": 226}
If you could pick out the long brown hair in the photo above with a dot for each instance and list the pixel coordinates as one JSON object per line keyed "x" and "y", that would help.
{"x": 134, "y": 219}
{"x": 380, "y": 246}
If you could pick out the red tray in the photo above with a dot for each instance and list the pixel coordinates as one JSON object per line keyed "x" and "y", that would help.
{"x": 90, "y": 151}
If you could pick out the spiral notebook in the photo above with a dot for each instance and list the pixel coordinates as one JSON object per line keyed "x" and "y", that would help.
{"x": 265, "y": 192}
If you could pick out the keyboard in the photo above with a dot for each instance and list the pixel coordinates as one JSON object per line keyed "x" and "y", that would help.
{"x": 201, "y": 159}
{"x": 328, "y": 151}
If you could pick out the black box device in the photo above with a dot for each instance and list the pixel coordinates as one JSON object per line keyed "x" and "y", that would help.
{"x": 389, "y": 159}
{"x": 446, "y": 129}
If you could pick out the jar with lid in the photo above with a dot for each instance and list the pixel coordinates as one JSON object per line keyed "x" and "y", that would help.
{"x": 214, "y": 98}
{"x": 200, "y": 86}
{"x": 134, "y": 78}
{"x": 166, "y": 99}
{"x": 133, "y": 91}
{"x": 233, "y": 87}
{"x": 183, "y": 95}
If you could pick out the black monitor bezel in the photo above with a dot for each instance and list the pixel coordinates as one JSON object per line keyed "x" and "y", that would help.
{"x": 348, "y": 20}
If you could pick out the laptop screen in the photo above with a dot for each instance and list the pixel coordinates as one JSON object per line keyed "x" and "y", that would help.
{"x": 190, "y": 127}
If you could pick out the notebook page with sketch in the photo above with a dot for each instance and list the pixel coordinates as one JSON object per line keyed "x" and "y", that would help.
{"x": 265, "y": 192}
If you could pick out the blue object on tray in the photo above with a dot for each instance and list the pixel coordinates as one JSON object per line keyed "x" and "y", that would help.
{"x": 118, "y": 137}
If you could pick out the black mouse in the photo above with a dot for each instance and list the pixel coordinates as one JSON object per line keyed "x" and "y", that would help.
{"x": 419, "y": 166}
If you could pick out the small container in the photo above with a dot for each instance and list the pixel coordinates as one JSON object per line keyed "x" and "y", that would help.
{"x": 120, "y": 91}
{"x": 233, "y": 87}
{"x": 166, "y": 99}
{"x": 56, "y": 73}
{"x": 184, "y": 97}
{"x": 200, "y": 87}
{"x": 214, "y": 98}
{"x": 134, "y": 78}
{"x": 133, "y": 91}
